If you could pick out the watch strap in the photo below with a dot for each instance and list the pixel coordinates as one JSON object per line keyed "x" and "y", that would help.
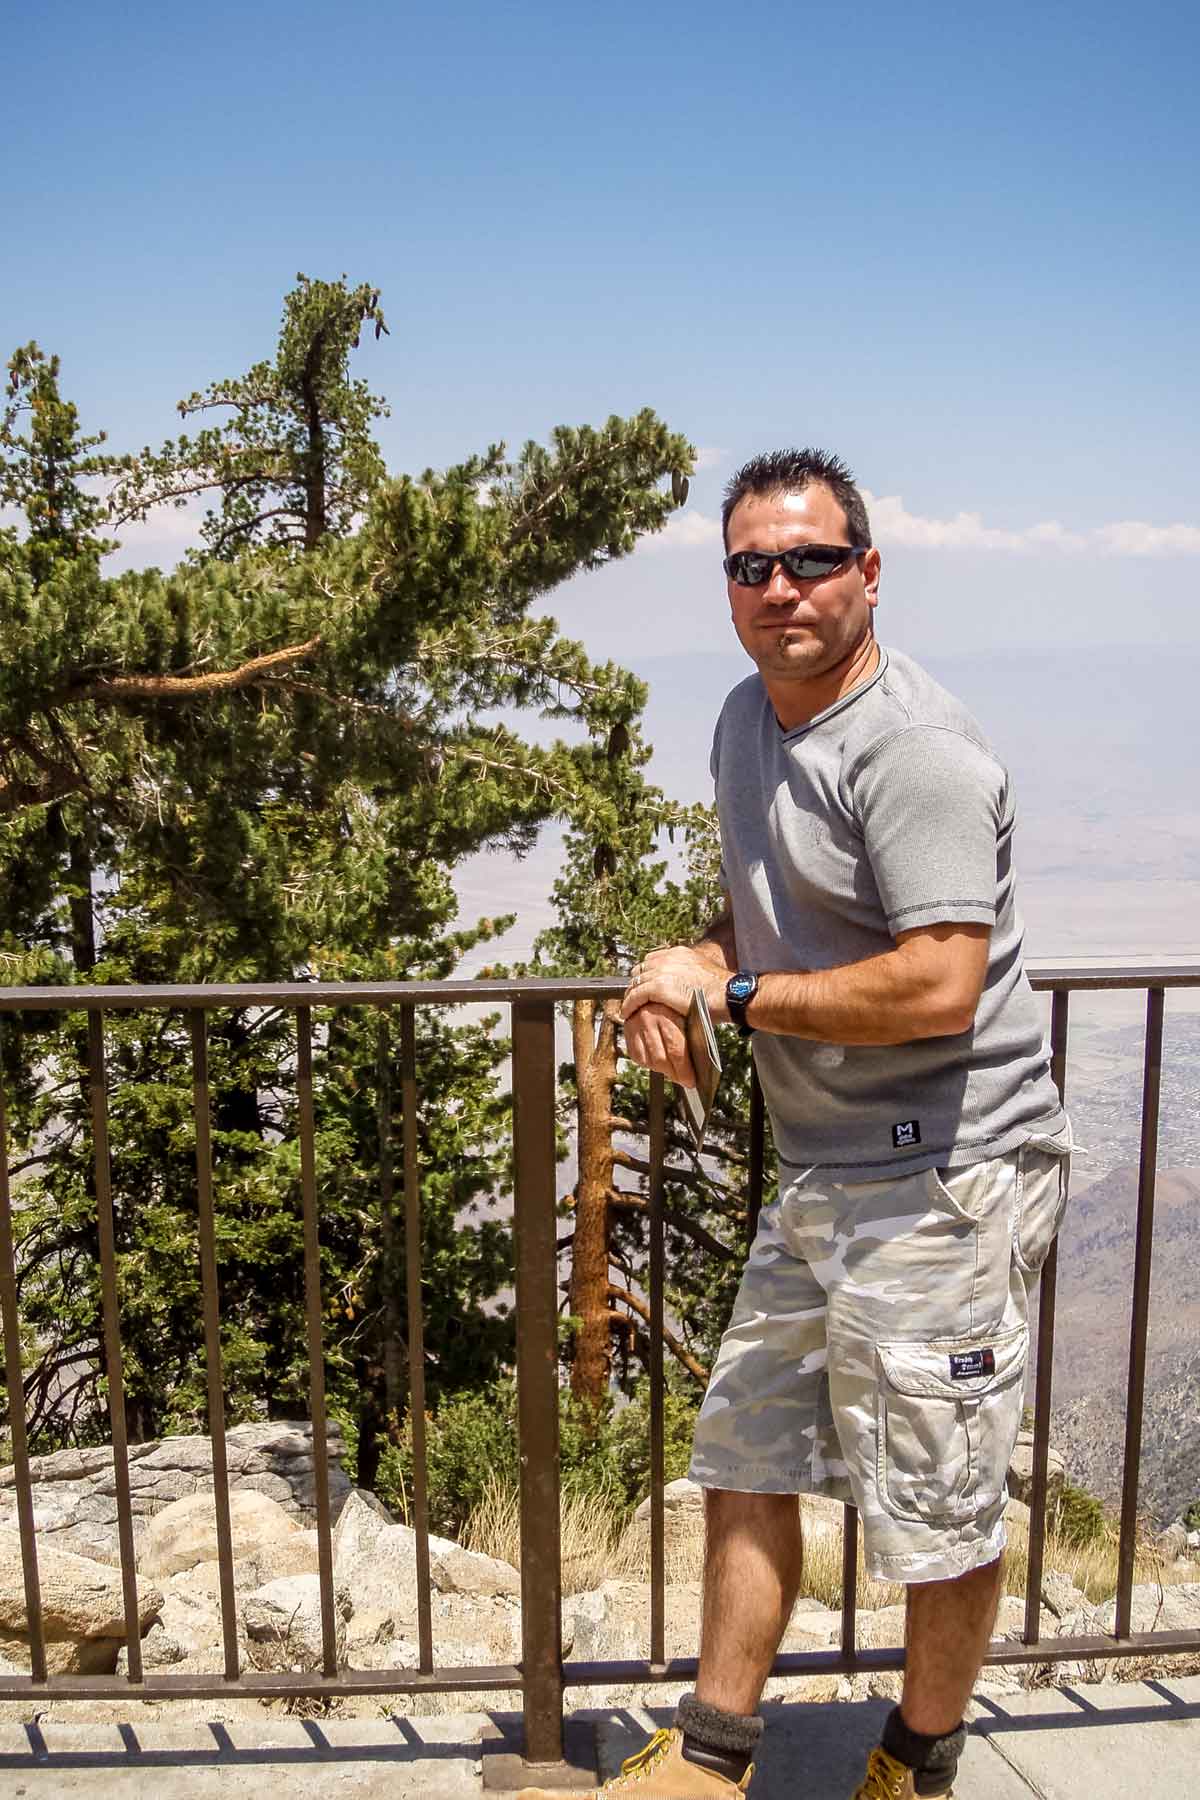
{"x": 738, "y": 1002}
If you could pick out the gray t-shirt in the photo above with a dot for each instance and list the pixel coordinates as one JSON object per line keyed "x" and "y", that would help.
{"x": 887, "y": 811}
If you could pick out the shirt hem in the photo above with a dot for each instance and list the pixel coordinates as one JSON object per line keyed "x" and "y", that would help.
{"x": 959, "y": 1155}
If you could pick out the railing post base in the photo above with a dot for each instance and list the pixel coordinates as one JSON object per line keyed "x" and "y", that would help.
{"x": 505, "y": 1770}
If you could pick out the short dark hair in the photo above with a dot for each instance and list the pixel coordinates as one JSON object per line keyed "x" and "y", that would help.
{"x": 790, "y": 472}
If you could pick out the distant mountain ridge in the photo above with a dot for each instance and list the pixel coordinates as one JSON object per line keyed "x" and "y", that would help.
{"x": 1092, "y": 1340}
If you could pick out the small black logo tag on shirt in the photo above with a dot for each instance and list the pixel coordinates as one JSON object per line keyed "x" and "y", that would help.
{"x": 965, "y": 1365}
{"x": 906, "y": 1134}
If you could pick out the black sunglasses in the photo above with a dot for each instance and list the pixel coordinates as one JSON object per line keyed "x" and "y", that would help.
{"x": 807, "y": 562}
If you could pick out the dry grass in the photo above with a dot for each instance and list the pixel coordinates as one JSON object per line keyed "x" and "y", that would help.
{"x": 590, "y": 1531}
{"x": 597, "y": 1546}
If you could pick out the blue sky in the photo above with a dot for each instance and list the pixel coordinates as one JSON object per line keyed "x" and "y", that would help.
{"x": 958, "y": 244}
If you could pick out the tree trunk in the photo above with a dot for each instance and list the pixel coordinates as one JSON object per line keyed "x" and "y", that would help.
{"x": 83, "y": 917}
{"x": 315, "y": 455}
{"x": 595, "y": 1073}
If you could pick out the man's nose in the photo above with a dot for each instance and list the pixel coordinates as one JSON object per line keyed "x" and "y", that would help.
{"x": 781, "y": 586}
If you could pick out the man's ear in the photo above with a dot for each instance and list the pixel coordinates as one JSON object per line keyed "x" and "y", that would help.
{"x": 872, "y": 568}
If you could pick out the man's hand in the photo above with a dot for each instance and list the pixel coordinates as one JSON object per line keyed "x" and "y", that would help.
{"x": 654, "y": 1037}
{"x": 667, "y": 977}
{"x": 656, "y": 1004}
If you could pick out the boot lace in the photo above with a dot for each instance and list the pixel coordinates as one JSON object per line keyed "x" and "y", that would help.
{"x": 885, "y": 1778}
{"x": 645, "y": 1759}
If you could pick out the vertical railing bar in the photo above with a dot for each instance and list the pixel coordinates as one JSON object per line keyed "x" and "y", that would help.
{"x": 658, "y": 1145}
{"x": 112, "y": 1337}
{"x": 416, "y": 1331}
{"x": 387, "y": 1222}
{"x": 754, "y": 1190}
{"x": 850, "y": 1584}
{"x": 316, "y": 1352}
{"x": 1043, "y": 1387}
{"x": 212, "y": 1335}
{"x": 534, "y": 1222}
{"x": 10, "y": 1321}
{"x": 1139, "y": 1321}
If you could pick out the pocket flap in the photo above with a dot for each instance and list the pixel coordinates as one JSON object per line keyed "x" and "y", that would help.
{"x": 955, "y": 1368}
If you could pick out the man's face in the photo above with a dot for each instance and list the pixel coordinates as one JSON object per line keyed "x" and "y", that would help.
{"x": 800, "y": 630}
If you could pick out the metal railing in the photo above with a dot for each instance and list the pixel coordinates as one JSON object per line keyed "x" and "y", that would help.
{"x": 541, "y": 1675}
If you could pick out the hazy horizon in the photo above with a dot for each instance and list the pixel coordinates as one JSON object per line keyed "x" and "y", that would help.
{"x": 1101, "y": 747}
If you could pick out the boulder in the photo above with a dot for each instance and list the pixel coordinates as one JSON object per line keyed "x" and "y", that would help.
{"x": 376, "y": 1561}
{"x": 1156, "y": 1608}
{"x": 159, "y": 1651}
{"x": 1018, "y": 1515}
{"x": 294, "y": 1555}
{"x": 74, "y": 1491}
{"x": 1020, "y": 1472}
{"x": 1173, "y": 1542}
{"x": 184, "y": 1533}
{"x": 284, "y": 1617}
{"x": 883, "y": 1629}
{"x": 1061, "y": 1595}
{"x": 83, "y": 1612}
{"x": 683, "y": 1534}
{"x": 456, "y": 1571}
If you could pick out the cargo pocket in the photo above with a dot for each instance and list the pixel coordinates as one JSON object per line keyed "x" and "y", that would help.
{"x": 1043, "y": 1167}
{"x": 948, "y": 1415}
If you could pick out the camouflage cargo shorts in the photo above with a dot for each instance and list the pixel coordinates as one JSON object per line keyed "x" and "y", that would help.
{"x": 877, "y": 1352}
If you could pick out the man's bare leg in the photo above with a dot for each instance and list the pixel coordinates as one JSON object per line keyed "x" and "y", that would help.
{"x": 752, "y": 1557}
{"x": 947, "y": 1631}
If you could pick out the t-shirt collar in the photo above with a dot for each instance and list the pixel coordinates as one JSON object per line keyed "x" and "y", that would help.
{"x": 839, "y": 705}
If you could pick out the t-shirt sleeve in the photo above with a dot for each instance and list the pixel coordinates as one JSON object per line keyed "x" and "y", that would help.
{"x": 930, "y": 802}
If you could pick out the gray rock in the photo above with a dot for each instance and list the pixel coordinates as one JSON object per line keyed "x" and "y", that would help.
{"x": 1020, "y": 1472}
{"x": 74, "y": 1491}
{"x": 284, "y": 1618}
{"x": 457, "y": 1571}
{"x": 83, "y": 1612}
{"x": 1157, "y": 1609}
{"x": 185, "y": 1532}
{"x": 1173, "y": 1541}
{"x": 159, "y": 1651}
{"x": 1061, "y": 1595}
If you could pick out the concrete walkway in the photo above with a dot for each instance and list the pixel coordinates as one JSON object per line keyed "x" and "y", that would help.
{"x": 1088, "y": 1743}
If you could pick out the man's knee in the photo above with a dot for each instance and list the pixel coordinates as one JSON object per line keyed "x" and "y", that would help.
{"x": 983, "y": 1576}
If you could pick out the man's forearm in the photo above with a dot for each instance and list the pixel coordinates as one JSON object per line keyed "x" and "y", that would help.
{"x": 718, "y": 945}
{"x": 895, "y": 998}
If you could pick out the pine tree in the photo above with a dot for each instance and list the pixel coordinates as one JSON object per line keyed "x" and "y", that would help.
{"x": 280, "y": 749}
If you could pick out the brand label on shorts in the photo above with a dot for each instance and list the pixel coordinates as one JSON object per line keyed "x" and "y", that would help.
{"x": 966, "y": 1364}
{"x": 907, "y": 1133}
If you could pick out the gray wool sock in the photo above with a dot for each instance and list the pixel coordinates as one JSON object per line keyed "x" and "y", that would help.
{"x": 716, "y": 1739}
{"x": 934, "y": 1757}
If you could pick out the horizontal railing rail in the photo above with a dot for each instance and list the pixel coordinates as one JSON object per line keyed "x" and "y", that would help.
{"x": 541, "y": 1675}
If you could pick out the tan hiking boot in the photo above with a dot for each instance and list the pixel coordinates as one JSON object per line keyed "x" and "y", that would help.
{"x": 887, "y": 1779}
{"x": 659, "y": 1771}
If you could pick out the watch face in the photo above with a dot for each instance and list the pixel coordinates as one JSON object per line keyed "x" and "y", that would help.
{"x": 740, "y": 987}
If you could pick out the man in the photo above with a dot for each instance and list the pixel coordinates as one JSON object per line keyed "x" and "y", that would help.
{"x": 871, "y": 944}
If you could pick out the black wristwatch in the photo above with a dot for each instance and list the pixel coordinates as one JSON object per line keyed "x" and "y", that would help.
{"x": 740, "y": 990}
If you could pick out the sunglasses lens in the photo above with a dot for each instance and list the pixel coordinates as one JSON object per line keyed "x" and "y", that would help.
{"x": 749, "y": 569}
{"x": 811, "y": 562}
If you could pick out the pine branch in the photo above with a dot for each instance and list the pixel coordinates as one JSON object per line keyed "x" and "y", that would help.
{"x": 678, "y": 1350}
{"x": 678, "y": 1221}
{"x": 183, "y": 490}
{"x": 178, "y": 687}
